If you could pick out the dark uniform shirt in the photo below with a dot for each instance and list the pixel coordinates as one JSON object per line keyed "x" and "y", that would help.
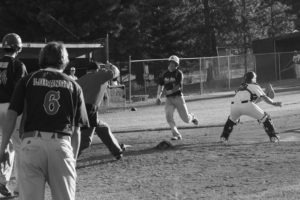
{"x": 170, "y": 79}
{"x": 11, "y": 70}
{"x": 94, "y": 85}
{"x": 53, "y": 102}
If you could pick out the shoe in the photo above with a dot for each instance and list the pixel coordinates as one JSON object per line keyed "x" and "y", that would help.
{"x": 195, "y": 120}
{"x": 123, "y": 147}
{"x": 178, "y": 137}
{"x": 5, "y": 191}
{"x": 275, "y": 138}
{"x": 223, "y": 140}
{"x": 119, "y": 157}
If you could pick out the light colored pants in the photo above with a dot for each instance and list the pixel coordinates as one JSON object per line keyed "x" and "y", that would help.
{"x": 13, "y": 146}
{"x": 250, "y": 109}
{"x": 46, "y": 159}
{"x": 172, "y": 103}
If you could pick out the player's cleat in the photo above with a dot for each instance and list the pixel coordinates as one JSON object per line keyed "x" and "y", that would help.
{"x": 5, "y": 191}
{"x": 223, "y": 140}
{"x": 195, "y": 121}
{"x": 274, "y": 139}
{"x": 119, "y": 157}
{"x": 178, "y": 137}
{"x": 123, "y": 147}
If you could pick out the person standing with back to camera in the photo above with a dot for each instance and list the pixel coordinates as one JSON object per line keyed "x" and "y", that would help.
{"x": 245, "y": 103}
{"x": 171, "y": 82}
{"x": 11, "y": 71}
{"x": 54, "y": 110}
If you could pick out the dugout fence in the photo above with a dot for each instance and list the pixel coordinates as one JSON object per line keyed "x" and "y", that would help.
{"x": 212, "y": 74}
{"x": 201, "y": 74}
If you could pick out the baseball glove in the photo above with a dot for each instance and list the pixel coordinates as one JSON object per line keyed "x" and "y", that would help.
{"x": 158, "y": 101}
{"x": 270, "y": 91}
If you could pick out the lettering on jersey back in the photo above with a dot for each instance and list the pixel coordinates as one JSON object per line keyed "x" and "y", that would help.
{"x": 52, "y": 83}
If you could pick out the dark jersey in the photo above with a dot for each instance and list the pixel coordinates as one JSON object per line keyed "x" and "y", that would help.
{"x": 94, "y": 85}
{"x": 170, "y": 79}
{"x": 11, "y": 70}
{"x": 53, "y": 101}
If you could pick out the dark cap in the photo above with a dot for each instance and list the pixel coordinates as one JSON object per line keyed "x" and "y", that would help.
{"x": 93, "y": 66}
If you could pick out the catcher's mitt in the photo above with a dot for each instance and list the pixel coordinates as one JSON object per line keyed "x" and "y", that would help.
{"x": 158, "y": 102}
{"x": 270, "y": 91}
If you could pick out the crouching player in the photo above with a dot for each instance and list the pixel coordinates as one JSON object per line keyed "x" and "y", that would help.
{"x": 245, "y": 103}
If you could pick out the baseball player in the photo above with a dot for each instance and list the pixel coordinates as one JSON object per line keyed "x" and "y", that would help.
{"x": 245, "y": 103}
{"x": 11, "y": 70}
{"x": 94, "y": 84}
{"x": 54, "y": 111}
{"x": 171, "y": 82}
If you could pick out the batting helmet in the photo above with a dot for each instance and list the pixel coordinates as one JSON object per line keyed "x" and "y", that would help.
{"x": 248, "y": 77}
{"x": 174, "y": 59}
{"x": 12, "y": 41}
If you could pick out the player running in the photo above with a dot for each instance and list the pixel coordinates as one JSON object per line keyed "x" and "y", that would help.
{"x": 245, "y": 103}
{"x": 171, "y": 82}
{"x": 11, "y": 70}
{"x": 94, "y": 84}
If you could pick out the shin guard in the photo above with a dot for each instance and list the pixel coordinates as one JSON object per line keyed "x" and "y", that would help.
{"x": 269, "y": 128}
{"x": 228, "y": 128}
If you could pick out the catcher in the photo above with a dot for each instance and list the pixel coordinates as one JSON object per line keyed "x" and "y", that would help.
{"x": 245, "y": 103}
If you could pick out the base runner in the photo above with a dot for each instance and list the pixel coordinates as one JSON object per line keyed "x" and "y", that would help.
{"x": 171, "y": 82}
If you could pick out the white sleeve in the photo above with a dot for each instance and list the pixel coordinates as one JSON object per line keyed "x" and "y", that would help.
{"x": 258, "y": 91}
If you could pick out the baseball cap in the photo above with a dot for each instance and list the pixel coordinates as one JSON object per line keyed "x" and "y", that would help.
{"x": 93, "y": 66}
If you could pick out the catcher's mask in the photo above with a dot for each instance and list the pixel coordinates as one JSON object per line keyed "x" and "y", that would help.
{"x": 250, "y": 77}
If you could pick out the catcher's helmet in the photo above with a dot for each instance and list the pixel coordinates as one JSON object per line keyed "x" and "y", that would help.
{"x": 174, "y": 59}
{"x": 12, "y": 41}
{"x": 248, "y": 77}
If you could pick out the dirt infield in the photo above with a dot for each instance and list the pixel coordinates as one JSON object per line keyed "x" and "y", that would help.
{"x": 197, "y": 167}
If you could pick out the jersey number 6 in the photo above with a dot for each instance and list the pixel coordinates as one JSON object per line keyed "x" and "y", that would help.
{"x": 51, "y": 104}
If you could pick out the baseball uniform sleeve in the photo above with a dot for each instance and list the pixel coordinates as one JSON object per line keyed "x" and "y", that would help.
{"x": 161, "y": 79}
{"x": 106, "y": 75}
{"x": 258, "y": 91}
{"x": 18, "y": 97}
{"x": 81, "y": 117}
{"x": 179, "y": 78}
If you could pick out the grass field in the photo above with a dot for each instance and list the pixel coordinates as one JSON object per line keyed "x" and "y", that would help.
{"x": 197, "y": 167}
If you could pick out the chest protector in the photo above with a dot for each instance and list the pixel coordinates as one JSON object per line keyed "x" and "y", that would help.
{"x": 244, "y": 87}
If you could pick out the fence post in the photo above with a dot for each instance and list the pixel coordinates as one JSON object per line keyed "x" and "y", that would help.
{"x": 201, "y": 84}
{"x": 279, "y": 67}
{"x": 129, "y": 79}
{"x": 228, "y": 60}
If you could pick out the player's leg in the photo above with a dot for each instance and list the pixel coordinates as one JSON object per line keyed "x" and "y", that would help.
{"x": 32, "y": 169}
{"x": 169, "y": 111}
{"x": 61, "y": 169}
{"x": 6, "y": 172}
{"x": 254, "y": 111}
{"x": 109, "y": 140}
{"x": 183, "y": 112}
{"x": 231, "y": 121}
{"x": 86, "y": 138}
{"x": 88, "y": 133}
{"x": 16, "y": 142}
